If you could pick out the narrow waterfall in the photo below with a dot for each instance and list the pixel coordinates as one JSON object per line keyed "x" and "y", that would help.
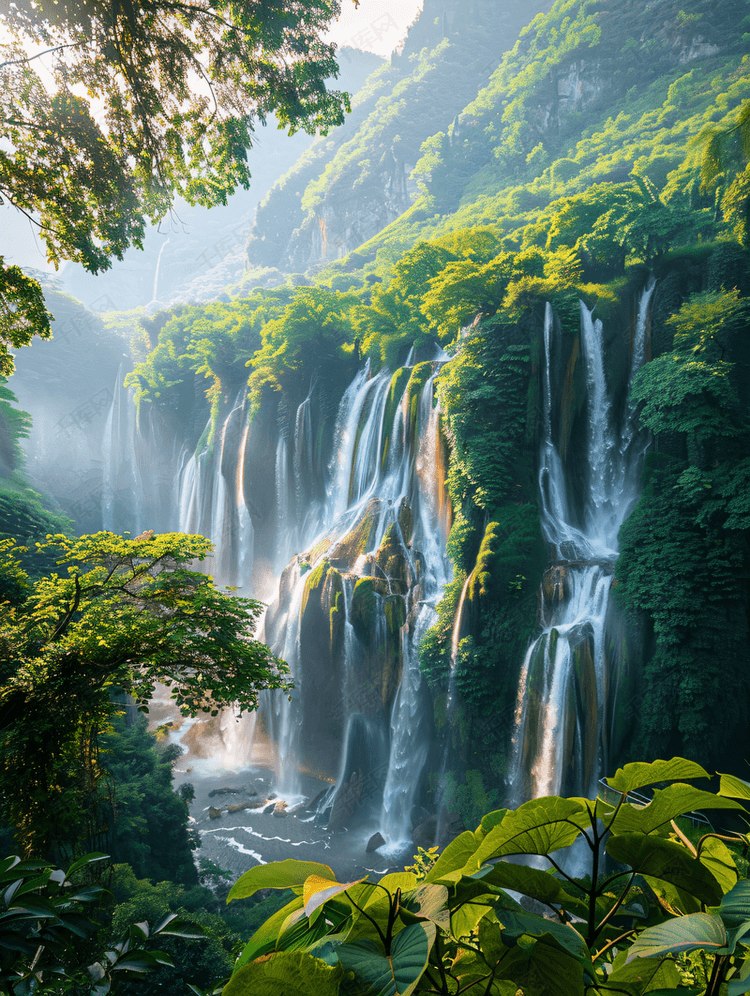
{"x": 558, "y": 736}
{"x": 121, "y": 475}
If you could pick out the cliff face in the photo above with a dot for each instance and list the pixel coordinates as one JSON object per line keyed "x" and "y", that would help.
{"x": 355, "y": 183}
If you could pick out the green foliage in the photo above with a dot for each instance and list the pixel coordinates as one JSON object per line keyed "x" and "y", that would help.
{"x": 483, "y": 395}
{"x": 22, "y": 314}
{"x": 456, "y": 928}
{"x": 93, "y": 183}
{"x": 686, "y": 577}
{"x": 691, "y": 390}
{"x": 48, "y": 943}
{"x": 121, "y": 615}
{"x": 314, "y": 333}
{"x": 147, "y": 820}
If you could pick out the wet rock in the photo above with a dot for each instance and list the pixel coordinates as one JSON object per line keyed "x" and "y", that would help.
{"x": 226, "y": 791}
{"x": 377, "y": 840}
{"x": 239, "y": 807}
{"x": 270, "y": 807}
{"x": 312, "y": 805}
{"x": 450, "y": 825}
{"x": 280, "y": 809}
{"x": 425, "y": 833}
{"x": 360, "y": 539}
{"x": 214, "y": 813}
{"x": 346, "y": 802}
{"x": 295, "y": 810}
{"x": 418, "y": 815}
{"x": 556, "y": 585}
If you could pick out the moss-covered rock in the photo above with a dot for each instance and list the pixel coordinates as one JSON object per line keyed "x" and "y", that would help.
{"x": 399, "y": 382}
{"x": 394, "y": 608}
{"x": 419, "y": 377}
{"x": 360, "y": 539}
{"x": 393, "y": 561}
{"x": 363, "y": 610}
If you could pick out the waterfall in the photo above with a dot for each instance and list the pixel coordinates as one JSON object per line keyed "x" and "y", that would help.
{"x": 558, "y": 737}
{"x": 385, "y": 507}
{"x": 409, "y": 739}
{"x": 120, "y": 472}
{"x": 154, "y": 293}
{"x": 246, "y": 533}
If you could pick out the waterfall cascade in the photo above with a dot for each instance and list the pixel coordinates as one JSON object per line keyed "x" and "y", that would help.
{"x": 560, "y": 737}
{"x": 360, "y": 593}
{"x": 360, "y": 566}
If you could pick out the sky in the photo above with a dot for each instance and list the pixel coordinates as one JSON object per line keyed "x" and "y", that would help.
{"x": 375, "y": 26}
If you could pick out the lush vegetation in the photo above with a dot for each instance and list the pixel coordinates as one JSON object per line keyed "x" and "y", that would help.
{"x": 121, "y": 615}
{"x": 642, "y": 901}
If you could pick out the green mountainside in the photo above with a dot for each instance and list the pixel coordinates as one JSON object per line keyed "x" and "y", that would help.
{"x": 611, "y": 143}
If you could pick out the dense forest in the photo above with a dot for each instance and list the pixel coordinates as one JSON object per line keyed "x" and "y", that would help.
{"x": 502, "y": 211}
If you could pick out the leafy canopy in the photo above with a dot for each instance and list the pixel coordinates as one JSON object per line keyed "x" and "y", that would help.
{"x": 119, "y": 617}
{"x": 174, "y": 92}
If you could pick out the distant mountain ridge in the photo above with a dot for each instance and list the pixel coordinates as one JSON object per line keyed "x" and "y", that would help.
{"x": 352, "y": 184}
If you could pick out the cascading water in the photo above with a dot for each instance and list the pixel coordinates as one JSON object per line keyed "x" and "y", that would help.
{"x": 384, "y": 525}
{"x": 121, "y": 475}
{"x": 558, "y": 739}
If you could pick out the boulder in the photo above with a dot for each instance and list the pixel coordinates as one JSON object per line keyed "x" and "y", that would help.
{"x": 270, "y": 807}
{"x": 225, "y": 791}
{"x": 450, "y": 825}
{"x": 214, "y": 813}
{"x": 346, "y": 802}
{"x": 312, "y": 805}
{"x": 280, "y": 809}
{"x": 377, "y": 840}
{"x": 425, "y": 833}
{"x": 418, "y": 815}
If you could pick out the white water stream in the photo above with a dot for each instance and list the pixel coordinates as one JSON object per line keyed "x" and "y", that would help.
{"x": 557, "y": 739}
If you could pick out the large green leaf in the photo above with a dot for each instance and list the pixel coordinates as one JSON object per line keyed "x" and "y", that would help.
{"x": 533, "y": 882}
{"x": 466, "y": 915}
{"x": 541, "y": 967}
{"x": 643, "y": 975}
{"x": 397, "y": 974}
{"x": 676, "y": 901}
{"x": 265, "y": 937}
{"x": 667, "y": 804}
{"x": 639, "y": 774}
{"x": 277, "y": 875}
{"x": 735, "y": 906}
{"x": 491, "y": 820}
{"x": 516, "y": 924}
{"x": 539, "y": 826}
{"x": 453, "y": 859}
{"x": 717, "y": 857}
{"x": 318, "y": 890}
{"x": 664, "y": 859}
{"x": 428, "y": 902}
{"x": 289, "y": 973}
{"x": 734, "y": 788}
{"x": 740, "y": 983}
{"x": 684, "y": 933}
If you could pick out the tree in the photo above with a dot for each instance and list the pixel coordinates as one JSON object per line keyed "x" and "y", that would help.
{"x": 123, "y": 615}
{"x": 181, "y": 85}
